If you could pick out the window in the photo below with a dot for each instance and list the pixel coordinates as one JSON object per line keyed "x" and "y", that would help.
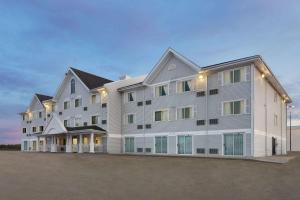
{"x": 234, "y": 76}
{"x": 139, "y": 150}
{"x": 148, "y": 150}
{"x": 77, "y": 121}
{"x": 213, "y": 151}
{"x": 213, "y": 92}
{"x": 24, "y": 130}
{"x": 66, "y": 123}
{"x": 66, "y": 105}
{"x": 148, "y": 126}
{"x": 233, "y": 107}
{"x": 275, "y": 97}
{"x": 60, "y": 113}
{"x": 34, "y": 129}
{"x": 184, "y": 144}
{"x": 95, "y": 120}
{"x": 200, "y": 150}
{"x": 139, "y": 126}
{"x": 104, "y": 105}
{"x": 213, "y": 121}
{"x": 233, "y": 144}
{"x": 103, "y": 121}
{"x": 94, "y": 98}
{"x": 200, "y": 94}
{"x": 41, "y": 128}
{"x": 40, "y": 114}
{"x": 130, "y": 118}
{"x": 200, "y": 122}
{"x": 140, "y": 103}
{"x": 130, "y": 96}
{"x": 162, "y": 115}
{"x": 184, "y": 113}
{"x": 184, "y": 86}
{"x": 161, "y": 144}
{"x": 72, "y": 86}
{"x": 161, "y": 90}
{"x": 85, "y": 108}
{"x": 275, "y": 120}
{"x": 23, "y": 117}
{"x": 129, "y": 145}
{"x": 78, "y": 102}
{"x": 148, "y": 102}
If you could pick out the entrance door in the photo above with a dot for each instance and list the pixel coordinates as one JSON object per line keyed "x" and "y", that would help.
{"x": 273, "y": 146}
{"x": 75, "y": 144}
{"x": 184, "y": 144}
{"x": 34, "y": 145}
{"x": 233, "y": 144}
{"x": 161, "y": 144}
{"x": 129, "y": 145}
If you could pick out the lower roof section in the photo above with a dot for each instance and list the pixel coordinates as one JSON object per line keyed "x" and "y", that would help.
{"x": 86, "y": 128}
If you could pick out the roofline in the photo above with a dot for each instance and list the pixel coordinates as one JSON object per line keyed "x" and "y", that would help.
{"x": 128, "y": 87}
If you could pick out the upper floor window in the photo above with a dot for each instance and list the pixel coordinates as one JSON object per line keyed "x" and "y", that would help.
{"x": 184, "y": 86}
{"x": 23, "y": 116}
{"x": 66, "y": 123}
{"x": 234, "y": 76}
{"x": 72, "y": 86}
{"x": 161, "y": 115}
{"x": 161, "y": 90}
{"x": 34, "y": 129}
{"x": 233, "y": 107}
{"x": 130, "y": 96}
{"x": 41, "y": 128}
{"x": 24, "y": 130}
{"x": 95, "y": 120}
{"x": 130, "y": 118}
{"x": 66, "y": 105}
{"x": 185, "y": 113}
{"x": 40, "y": 114}
{"x": 78, "y": 121}
{"x": 78, "y": 102}
{"x": 94, "y": 99}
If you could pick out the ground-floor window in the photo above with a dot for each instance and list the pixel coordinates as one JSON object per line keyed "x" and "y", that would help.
{"x": 129, "y": 145}
{"x": 233, "y": 144}
{"x": 161, "y": 144}
{"x": 184, "y": 144}
{"x": 34, "y": 145}
{"x": 25, "y": 145}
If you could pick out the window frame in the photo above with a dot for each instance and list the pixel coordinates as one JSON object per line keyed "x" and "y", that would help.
{"x": 181, "y": 82}
{"x": 133, "y": 118}
{"x": 242, "y": 111}
{"x": 243, "y": 77}
{"x": 97, "y": 119}
{"x": 73, "y": 86}
{"x": 79, "y": 99}
{"x": 184, "y": 107}
{"x": 160, "y": 85}
{"x": 162, "y": 110}
{"x": 68, "y": 105}
{"x": 126, "y": 98}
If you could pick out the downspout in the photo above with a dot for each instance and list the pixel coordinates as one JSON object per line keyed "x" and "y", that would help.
{"x": 206, "y": 112}
{"x": 266, "y": 120}
{"x": 281, "y": 126}
{"x": 144, "y": 126}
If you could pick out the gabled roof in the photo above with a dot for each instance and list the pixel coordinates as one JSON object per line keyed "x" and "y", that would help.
{"x": 90, "y": 80}
{"x": 169, "y": 52}
{"x": 43, "y": 97}
{"x": 54, "y": 126}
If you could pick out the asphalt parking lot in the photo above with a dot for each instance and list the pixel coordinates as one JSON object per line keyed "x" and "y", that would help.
{"x": 53, "y": 176}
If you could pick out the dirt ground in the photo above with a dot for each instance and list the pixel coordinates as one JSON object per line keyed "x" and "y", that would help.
{"x": 57, "y": 176}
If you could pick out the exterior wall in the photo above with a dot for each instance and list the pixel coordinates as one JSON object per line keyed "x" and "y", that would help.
{"x": 205, "y": 108}
{"x": 265, "y": 107}
{"x": 295, "y": 138}
{"x": 80, "y": 92}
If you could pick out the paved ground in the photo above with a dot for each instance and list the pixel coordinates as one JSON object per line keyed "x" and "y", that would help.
{"x": 71, "y": 176}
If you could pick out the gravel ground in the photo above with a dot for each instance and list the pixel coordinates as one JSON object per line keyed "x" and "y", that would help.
{"x": 57, "y": 176}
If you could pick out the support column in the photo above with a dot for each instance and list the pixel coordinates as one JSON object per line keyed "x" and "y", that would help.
{"x": 68, "y": 145}
{"x": 92, "y": 145}
{"x": 44, "y": 144}
{"x": 53, "y": 144}
{"x": 38, "y": 144}
{"x": 80, "y": 144}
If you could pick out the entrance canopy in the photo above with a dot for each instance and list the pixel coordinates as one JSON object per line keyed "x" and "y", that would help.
{"x": 86, "y": 129}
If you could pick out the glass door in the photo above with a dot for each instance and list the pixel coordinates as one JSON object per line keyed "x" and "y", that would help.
{"x": 129, "y": 144}
{"x": 184, "y": 144}
{"x": 233, "y": 144}
{"x": 161, "y": 144}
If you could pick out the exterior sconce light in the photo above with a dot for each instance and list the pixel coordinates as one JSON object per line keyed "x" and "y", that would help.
{"x": 263, "y": 75}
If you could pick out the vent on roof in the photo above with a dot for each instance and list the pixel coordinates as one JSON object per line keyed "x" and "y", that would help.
{"x": 124, "y": 77}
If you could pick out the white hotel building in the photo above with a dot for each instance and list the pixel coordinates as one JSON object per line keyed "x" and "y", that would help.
{"x": 235, "y": 108}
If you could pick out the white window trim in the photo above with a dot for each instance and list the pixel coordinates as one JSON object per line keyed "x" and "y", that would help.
{"x": 126, "y": 97}
{"x": 167, "y": 91}
{"x": 165, "y": 109}
{"x": 244, "y": 111}
{"x": 185, "y": 79}
{"x": 126, "y": 118}
{"x": 187, "y": 106}
{"x": 245, "y": 75}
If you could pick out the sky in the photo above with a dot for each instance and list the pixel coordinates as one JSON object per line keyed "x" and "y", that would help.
{"x": 39, "y": 40}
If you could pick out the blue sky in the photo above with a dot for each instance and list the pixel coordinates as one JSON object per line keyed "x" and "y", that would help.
{"x": 39, "y": 40}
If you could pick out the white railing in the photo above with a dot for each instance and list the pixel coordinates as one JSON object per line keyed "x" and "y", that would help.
{"x": 99, "y": 148}
{"x": 85, "y": 148}
{"x": 60, "y": 148}
{"x": 74, "y": 147}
